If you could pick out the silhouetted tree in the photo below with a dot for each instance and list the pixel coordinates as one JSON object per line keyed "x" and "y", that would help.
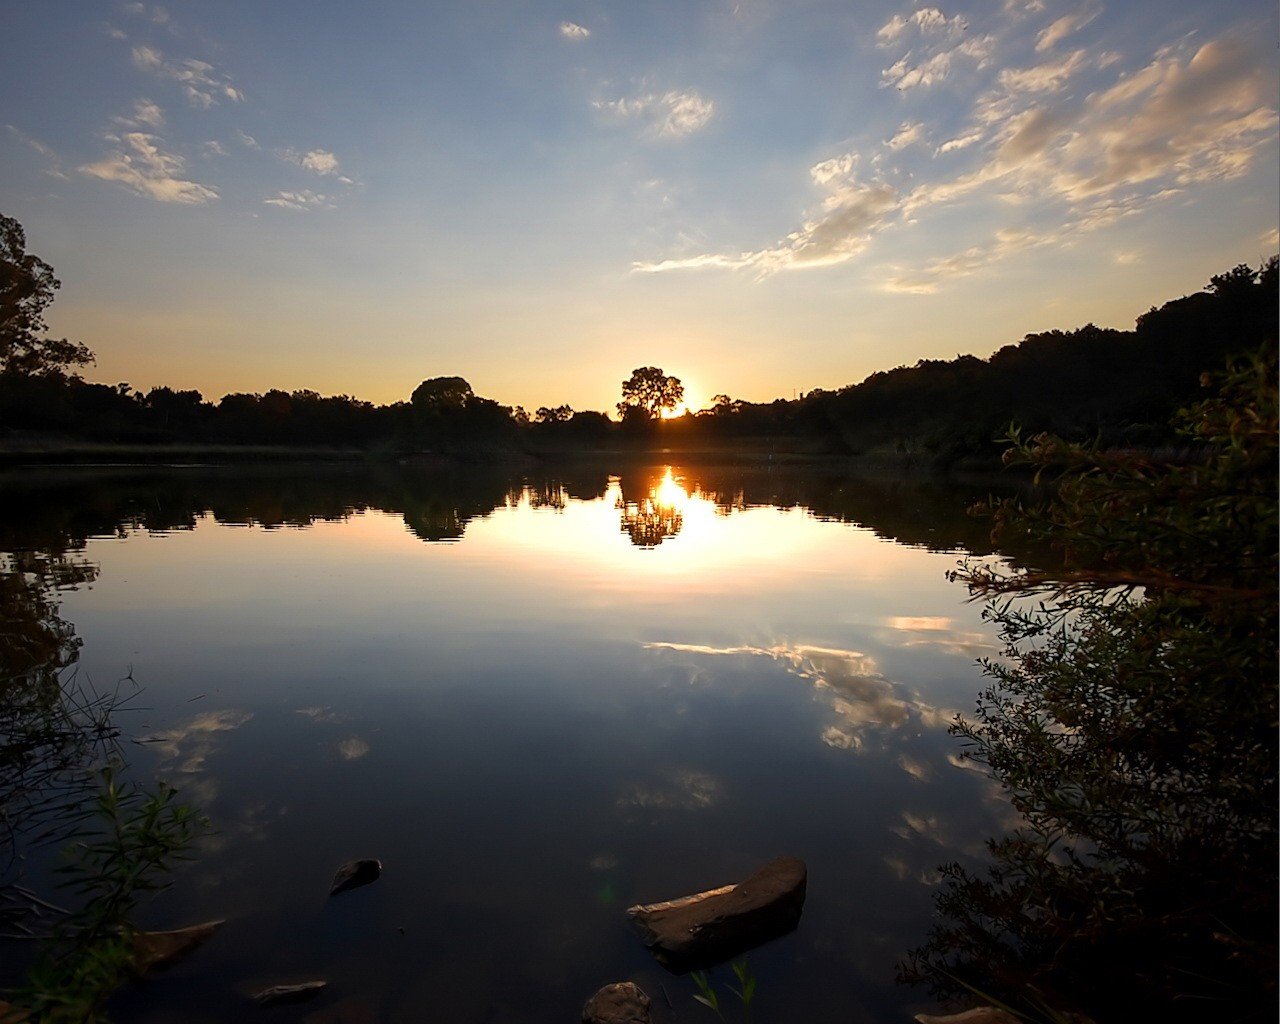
{"x": 560, "y": 414}
{"x": 651, "y": 392}
{"x": 440, "y": 394}
{"x": 27, "y": 285}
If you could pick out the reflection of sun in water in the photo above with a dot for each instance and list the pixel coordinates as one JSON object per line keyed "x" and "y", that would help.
{"x": 669, "y": 494}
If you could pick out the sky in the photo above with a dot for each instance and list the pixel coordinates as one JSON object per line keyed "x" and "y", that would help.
{"x": 761, "y": 197}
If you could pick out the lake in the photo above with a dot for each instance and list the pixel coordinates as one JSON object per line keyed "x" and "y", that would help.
{"x": 538, "y": 697}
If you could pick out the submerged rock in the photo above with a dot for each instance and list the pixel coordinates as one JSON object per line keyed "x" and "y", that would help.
{"x": 710, "y": 927}
{"x": 990, "y": 1015}
{"x": 354, "y": 874}
{"x": 977, "y": 1015}
{"x": 153, "y": 950}
{"x": 298, "y": 993}
{"x": 620, "y": 1003}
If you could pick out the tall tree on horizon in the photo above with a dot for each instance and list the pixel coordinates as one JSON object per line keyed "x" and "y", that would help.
{"x": 27, "y": 285}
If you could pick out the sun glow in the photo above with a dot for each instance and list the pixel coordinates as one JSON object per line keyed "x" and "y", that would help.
{"x": 669, "y": 494}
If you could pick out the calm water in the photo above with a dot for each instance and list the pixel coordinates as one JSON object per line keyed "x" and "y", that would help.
{"x": 538, "y": 701}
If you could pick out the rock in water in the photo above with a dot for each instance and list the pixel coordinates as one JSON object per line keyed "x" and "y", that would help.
{"x": 290, "y": 993}
{"x": 354, "y": 874}
{"x": 977, "y": 1015}
{"x": 160, "y": 949}
{"x": 711, "y": 927}
{"x": 623, "y": 1003}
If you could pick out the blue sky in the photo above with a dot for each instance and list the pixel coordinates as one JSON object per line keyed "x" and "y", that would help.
{"x": 760, "y": 197}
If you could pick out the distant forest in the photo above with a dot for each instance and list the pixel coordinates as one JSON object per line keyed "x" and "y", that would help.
{"x": 1118, "y": 386}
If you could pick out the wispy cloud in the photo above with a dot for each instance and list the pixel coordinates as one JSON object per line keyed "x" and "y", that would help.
{"x": 1065, "y": 26}
{"x": 154, "y": 13}
{"x": 926, "y": 21}
{"x": 53, "y": 164}
{"x": 145, "y": 114}
{"x": 247, "y": 140}
{"x": 303, "y": 200}
{"x": 672, "y": 114}
{"x": 909, "y": 133}
{"x": 910, "y": 70}
{"x": 202, "y": 84}
{"x": 570, "y": 30}
{"x": 1191, "y": 116}
{"x": 139, "y": 164}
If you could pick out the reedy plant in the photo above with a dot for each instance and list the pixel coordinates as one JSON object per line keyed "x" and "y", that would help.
{"x": 128, "y": 848}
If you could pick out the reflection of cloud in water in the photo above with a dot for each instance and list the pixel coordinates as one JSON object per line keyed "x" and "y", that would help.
{"x": 862, "y": 699}
{"x": 352, "y": 748}
{"x": 919, "y": 826}
{"x": 902, "y": 871}
{"x": 322, "y": 713}
{"x": 940, "y": 633}
{"x": 917, "y": 769}
{"x": 684, "y": 789}
{"x": 188, "y": 746}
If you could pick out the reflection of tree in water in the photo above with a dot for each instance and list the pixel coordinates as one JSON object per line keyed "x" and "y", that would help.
{"x": 55, "y": 730}
{"x": 648, "y": 516}
{"x": 548, "y": 494}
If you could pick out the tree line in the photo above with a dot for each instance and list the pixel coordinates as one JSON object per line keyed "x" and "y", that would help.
{"x": 1120, "y": 386}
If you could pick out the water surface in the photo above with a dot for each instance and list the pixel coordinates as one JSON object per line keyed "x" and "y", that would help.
{"x": 538, "y": 699}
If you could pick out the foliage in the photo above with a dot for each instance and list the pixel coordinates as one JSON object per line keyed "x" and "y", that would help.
{"x": 1132, "y": 720}
{"x": 745, "y": 990}
{"x": 27, "y": 285}
{"x": 128, "y": 849}
{"x": 442, "y": 393}
{"x": 649, "y": 392}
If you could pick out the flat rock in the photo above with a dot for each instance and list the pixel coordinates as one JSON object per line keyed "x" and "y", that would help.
{"x": 355, "y": 873}
{"x": 711, "y": 927}
{"x": 298, "y": 993}
{"x": 152, "y": 950}
{"x": 622, "y": 1003}
{"x": 989, "y": 1015}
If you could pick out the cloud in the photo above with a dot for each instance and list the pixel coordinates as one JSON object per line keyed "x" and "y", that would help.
{"x": 202, "y": 84}
{"x": 673, "y": 114}
{"x": 1067, "y": 25}
{"x": 1078, "y": 164}
{"x": 909, "y": 133}
{"x": 571, "y": 31}
{"x": 838, "y": 230}
{"x": 320, "y": 161}
{"x": 140, "y": 165}
{"x": 154, "y": 13}
{"x": 927, "y": 20}
{"x": 53, "y": 164}
{"x": 959, "y": 142}
{"x": 1044, "y": 77}
{"x": 247, "y": 140}
{"x": 145, "y": 115}
{"x": 304, "y": 200}
{"x": 933, "y": 68}
{"x": 213, "y": 148}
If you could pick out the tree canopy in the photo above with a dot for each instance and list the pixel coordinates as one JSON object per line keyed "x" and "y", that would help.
{"x": 27, "y": 285}
{"x": 650, "y": 392}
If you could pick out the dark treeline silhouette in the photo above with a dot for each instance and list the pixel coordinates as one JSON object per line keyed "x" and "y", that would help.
{"x": 1121, "y": 386}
